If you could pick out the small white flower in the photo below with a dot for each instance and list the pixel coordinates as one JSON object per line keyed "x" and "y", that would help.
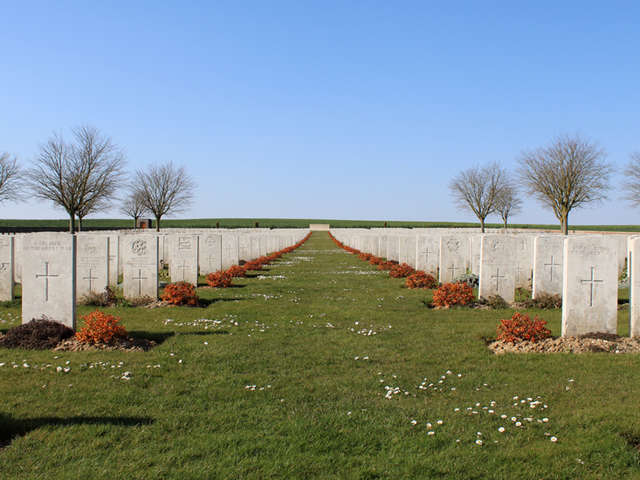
{"x": 479, "y": 442}
{"x": 431, "y": 432}
{"x": 503, "y": 416}
{"x": 439, "y": 422}
{"x": 545, "y": 419}
{"x": 414, "y": 422}
{"x": 428, "y": 425}
{"x": 554, "y": 439}
{"x": 518, "y": 424}
{"x": 501, "y": 429}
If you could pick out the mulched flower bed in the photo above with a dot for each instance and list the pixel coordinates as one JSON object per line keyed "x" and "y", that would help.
{"x": 129, "y": 344}
{"x": 588, "y": 343}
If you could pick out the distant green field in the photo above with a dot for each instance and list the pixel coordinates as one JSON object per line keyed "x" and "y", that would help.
{"x": 295, "y": 223}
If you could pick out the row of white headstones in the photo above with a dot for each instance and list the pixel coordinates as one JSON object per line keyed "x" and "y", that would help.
{"x": 584, "y": 269}
{"x": 56, "y": 269}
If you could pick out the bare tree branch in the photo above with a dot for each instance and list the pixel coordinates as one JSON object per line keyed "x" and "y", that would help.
{"x": 11, "y": 186}
{"x": 81, "y": 177}
{"x": 508, "y": 202}
{"x": 477, "y": 189}
{"x": 133, "y": 206}
{"x": 165, "y": 189}
{"x": 631, "y": 184}
{"x": 570, "y": 173}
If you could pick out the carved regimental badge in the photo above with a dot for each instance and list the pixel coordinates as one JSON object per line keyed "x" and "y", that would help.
{"x": 139, "y": 247}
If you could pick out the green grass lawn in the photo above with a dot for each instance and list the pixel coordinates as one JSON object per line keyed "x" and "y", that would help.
{"x": 190, "y": 411}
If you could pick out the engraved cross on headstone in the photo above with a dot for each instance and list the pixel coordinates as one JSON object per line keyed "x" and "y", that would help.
{"x": 90, "y": 278}
{"x": 591, "y": 281}
{"x": 426, "y": 253}
{"x": 46, "y": 275}
{"x": 497, "y": 276}
{"x": 139, "y": 278}
{"x": 453, "y": 269}
{"x": 211, "y": 259}
{"x": 182, "y": 268}
{"x": 551, "y": 265}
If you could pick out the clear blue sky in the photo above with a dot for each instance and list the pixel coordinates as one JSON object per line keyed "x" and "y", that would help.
{"x": 355, "y": 110}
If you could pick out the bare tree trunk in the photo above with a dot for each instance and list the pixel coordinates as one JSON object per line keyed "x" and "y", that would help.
{"x": 505, "y": 223}
{"x": 135, "y": 223}
{"x": 158, "y": 224}
{"x": 482, "y": 225}
{"x": 564, "y": 223}
{"x": 72, "y": 224}
{"x": 79, "y": 224}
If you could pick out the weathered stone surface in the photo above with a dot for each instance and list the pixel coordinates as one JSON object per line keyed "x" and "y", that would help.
{"x": 114, "y": 259}
{"x": 428, "y": 253}
{"x": 634, "y": 285}
{"x": 183, "y": 250}
{"x": 6, "y": 267}
{"x": 497, "y": 267}
{"x": 523, "y": 261}
{"x": 454, "y": 256}
{"x": 590, "y": 285}
{"x": 92, "y": 264}
{"x": 210, "y": 257}
{"x": 140, "y": 254}
{"x": 49, "y": 277}
{"x": 547, "y": 265}
{"x": 230, "y": 255}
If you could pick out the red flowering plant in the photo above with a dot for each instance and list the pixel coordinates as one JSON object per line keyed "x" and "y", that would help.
{"x": 236, "y": 271}
{"x": 180, "y": 293}
{"x": 421, "y": 279}
{"x": 521, "y": 328}
{"x": 219, "y": 279}
{"x": 400, "y": 271}
{"x": 100, "y": 327}
{"x": 452, "y": 294}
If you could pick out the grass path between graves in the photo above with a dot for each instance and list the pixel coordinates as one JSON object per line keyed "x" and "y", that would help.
{"x": 286, "y": 376}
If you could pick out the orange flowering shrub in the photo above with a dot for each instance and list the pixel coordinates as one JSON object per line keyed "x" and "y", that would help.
{"x": 365, "y": 256}
{"x": 237, "y": 271}
{"x": 401, "y": 271}
{"x": 450, "y": 294}
{"x": 375, "y": 260}
{"x": 421, "y": 279}
{"x": 386, "y": 265}
{"x": 100, "y": 327}
{"x": 220, "y": 279}
{"x": 520, "y": 328}
{"x": 180, "y": 293}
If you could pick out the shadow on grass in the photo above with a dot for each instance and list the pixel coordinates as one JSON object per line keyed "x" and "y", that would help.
{"x": 205, "y": 302}
{"x": 158, "y": 337}
{"x": 213, "y": 332}
{"x": 10, "y": 427}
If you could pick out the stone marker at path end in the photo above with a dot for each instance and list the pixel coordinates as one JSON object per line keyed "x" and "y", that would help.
{"x": 49, "y": 278}
{"x": 590, "y": 286}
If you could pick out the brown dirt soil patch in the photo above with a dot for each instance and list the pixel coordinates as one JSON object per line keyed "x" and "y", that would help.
{"x": 588, "y": 343}
{"x": 125, "y": 344}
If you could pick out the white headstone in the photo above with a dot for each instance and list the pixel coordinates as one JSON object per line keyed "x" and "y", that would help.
{"x": 6, "y": 267}
{"x": 210, "y": 256}
{"x": 634, "y": 286}
{"x": 49, "y": 278}
{"x": 230, "y": 250}
{"x": 92, "y": 264}
{"x": 547, "y": 265}
{"x": 140, "y": 254}
{"x": 428, "y": 253}
{"x": 497, "y": 267}
{"x": 114, "y": 259}
{"x": 454, "y": 252}
{"x": 183, "y": 250}
{"x": 590, "y": 285}
{"x": 523, "y": 260}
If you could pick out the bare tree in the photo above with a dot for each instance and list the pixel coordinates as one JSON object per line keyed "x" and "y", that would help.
{"x": 133, "y": 206}
{"x": 477, "y": 189}
{"x": 569, "y": 173}
{"x": 81, "y": 177}
{"x": 508, "y": 202}
{"x": 10, "y": 181}
{"x": 632, "y": 179}
{"x": 165, "y": 189}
